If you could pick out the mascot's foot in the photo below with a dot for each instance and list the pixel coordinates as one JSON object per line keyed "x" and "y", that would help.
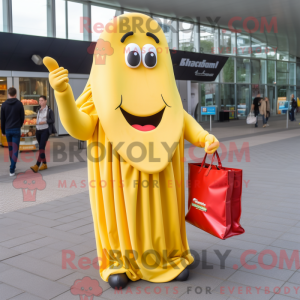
{"x": 118, "y": 281}
{"x": 183, "y": 276}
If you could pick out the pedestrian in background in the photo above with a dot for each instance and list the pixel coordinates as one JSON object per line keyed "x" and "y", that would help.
{"x": 12, "y": 119}
{"x": 255, "y": 107}
{"x": 263, "y": 111}
{"x": 268, "y": 108}
{"x": 293, "y": 107}
{"x": 44, "y": 128}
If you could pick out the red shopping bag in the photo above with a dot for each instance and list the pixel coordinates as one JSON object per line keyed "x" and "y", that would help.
{"x": 214, "y": 203}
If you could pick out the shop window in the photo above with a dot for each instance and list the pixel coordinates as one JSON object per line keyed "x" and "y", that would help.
{"x": 30, "y": 91}
{"x": 243, "y": 45}
{"x": 243, "y": 70}
{"x": 209, "y": 96}
{"x": 271, "y": 45}
{"x": 258, "y": 48}
{"x": 227, "y": 72}
{"x": 293, "y": 58}
{"x": 258, "y": 89}
{"x": 271, "y": 52}
{"x": 186, "y": 37}
{"x": 271, "y": 71}
{"x": 208, "y": 40}
{"x": 292, "y": 73}
{"x": 227, "y": 42}
{"x": 243, "y": 100}
{"x": 75, "y": 14}
{"x": 100, "y": 17}
{"x": 298, "y": 74}
{"x": 3, "y": 90}
{"x": 60, "y": 16}
{"x": 272, "y": 99}
{"x": 29, "y": 17}
{"x": 283, "y": 55}
{"x": 282, "y": 73}
{"x": 227, "y": 100}
{"x": 258, "y": 71}
{"x": 282, "y": 92}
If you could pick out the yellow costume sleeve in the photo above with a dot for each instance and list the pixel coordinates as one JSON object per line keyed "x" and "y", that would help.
{"x": 78, "y": 123}
{"x": 77, "y": 118}
{"x": 197, "y": 136}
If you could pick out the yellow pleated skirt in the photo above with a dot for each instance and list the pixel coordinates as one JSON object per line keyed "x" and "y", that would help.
{"x": 139, "y": 218}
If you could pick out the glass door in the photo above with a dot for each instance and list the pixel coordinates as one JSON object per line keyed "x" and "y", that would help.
{"x": 243, "y": 100}
{"x": 227, "y": 100}
{"x": 272, "y": 99}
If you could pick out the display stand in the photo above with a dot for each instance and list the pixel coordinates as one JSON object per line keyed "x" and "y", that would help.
{"x": 28, "y": 137}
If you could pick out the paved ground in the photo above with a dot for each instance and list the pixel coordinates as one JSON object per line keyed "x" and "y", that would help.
{"x": 33, "y": 234}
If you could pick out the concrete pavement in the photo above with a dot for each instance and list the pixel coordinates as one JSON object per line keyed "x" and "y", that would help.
{"x": 34, "y": 234}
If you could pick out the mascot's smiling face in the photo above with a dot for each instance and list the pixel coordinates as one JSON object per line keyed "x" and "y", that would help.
{"x": 135, "y": 93}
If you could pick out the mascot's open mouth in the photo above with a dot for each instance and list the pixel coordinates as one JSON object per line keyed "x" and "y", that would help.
{"x": 143, "y": 123}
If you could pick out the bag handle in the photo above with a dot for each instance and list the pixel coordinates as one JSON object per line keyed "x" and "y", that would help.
{"x": 212, "y": 160}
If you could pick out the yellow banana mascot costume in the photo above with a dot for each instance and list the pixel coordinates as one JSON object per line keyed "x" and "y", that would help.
{"x": 131, "y": 114}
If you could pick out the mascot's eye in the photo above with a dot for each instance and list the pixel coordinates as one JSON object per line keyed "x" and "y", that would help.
{"x": 25, "y": 181}
{"x": 149, "y": 56}
{"x": 132, "y": 55}
{"x": 90, "y": 288}
{"x": 82, "y": 288}
{"x": 33, "y": 181}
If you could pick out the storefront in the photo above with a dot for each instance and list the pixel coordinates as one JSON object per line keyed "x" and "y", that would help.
{"x": 29, "y": 90}
{"x": 30, "y": 86}
{"x": 5, "y": 82}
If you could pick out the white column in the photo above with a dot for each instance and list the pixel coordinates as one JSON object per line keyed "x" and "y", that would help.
{"x": 7, "y": 16}
{"x": 87, "y": 36}
{"x": 17, "y": 86}
{"x": 51, "y": 20}
{"x": 175, "y": 34}
{"x": 197, "y": 37}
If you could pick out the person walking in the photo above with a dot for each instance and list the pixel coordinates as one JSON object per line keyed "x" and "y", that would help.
{"x": 263, "y": 111}
{"x": 44, "y": 128}
{"x": 12, "y": 119}
{"x": 255, "y": 107}
{"x": 268, "y": 108}
{"x": 293, "y": 107}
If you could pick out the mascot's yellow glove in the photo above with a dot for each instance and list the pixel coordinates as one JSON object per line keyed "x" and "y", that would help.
{"x": 208, "y": 141}
{"x": 58, "y": 76}
{"x": 78, "y": 124}
{"x": 199, "y": 137}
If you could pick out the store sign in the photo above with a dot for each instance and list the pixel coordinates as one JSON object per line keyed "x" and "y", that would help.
{"x": 27, "y": 147}
{"x": 196, "y": 66}
{"x": 208, "y": 110}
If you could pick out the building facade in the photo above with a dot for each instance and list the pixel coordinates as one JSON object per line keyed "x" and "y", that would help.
{"x": 256, "y": 64}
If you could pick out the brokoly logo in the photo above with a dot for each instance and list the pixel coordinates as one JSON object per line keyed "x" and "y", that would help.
{"x": 29, "y": 182}
{"x": 86, "y": 288}
{"x": 100, "y": 49}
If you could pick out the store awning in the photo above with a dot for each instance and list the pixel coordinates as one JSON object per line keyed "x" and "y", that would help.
{"x": 16, "y": 51}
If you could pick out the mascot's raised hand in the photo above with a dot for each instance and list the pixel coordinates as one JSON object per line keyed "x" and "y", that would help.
{"x": 58, "y": 76}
